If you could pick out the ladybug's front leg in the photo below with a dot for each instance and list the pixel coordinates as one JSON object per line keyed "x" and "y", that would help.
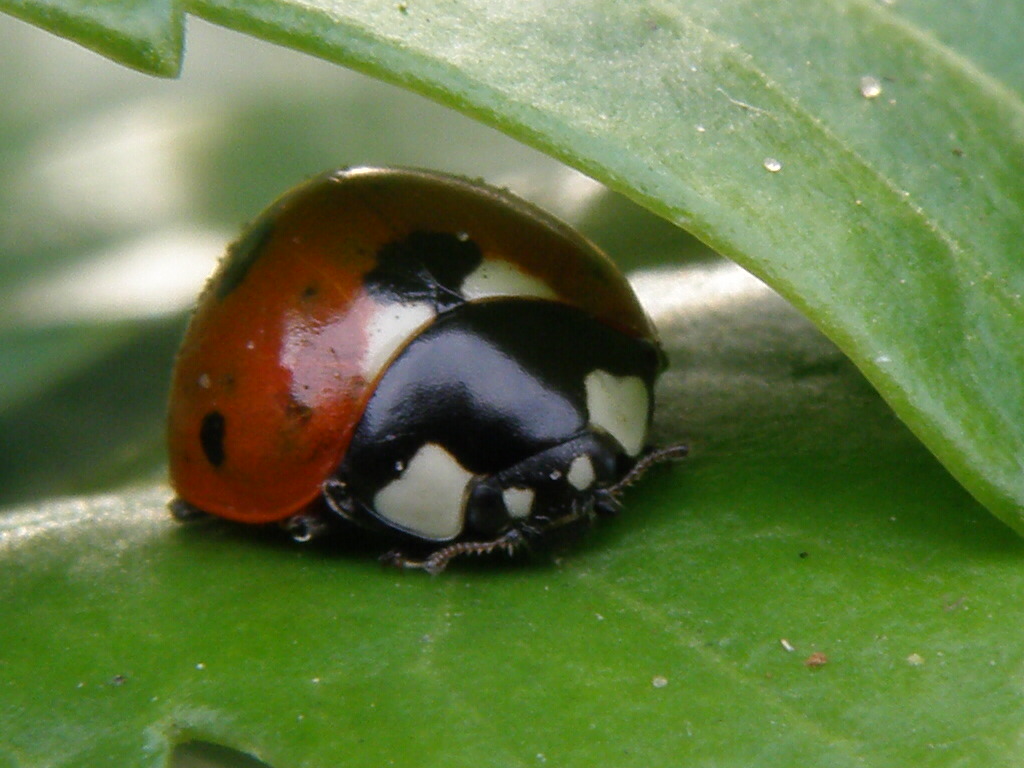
{"x": 509, "y": 542}
{"x": 305, "y": 527}
{"x": 184, "y": 512}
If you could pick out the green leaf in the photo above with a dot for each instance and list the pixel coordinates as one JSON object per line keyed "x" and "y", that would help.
{"x": 808, "y": 513}
{"x": 144, "y": 34}
{"x": 684, "y": 106}
{"x": 892, "y": 221}
{"x": 659, "y": 639}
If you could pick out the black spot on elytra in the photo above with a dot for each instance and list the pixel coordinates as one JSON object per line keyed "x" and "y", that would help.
{"x": 242, "y": 254}
{"x": 425, "y": 266}
{"x": 310, "y": 291}
{"x": 211, "y": 437}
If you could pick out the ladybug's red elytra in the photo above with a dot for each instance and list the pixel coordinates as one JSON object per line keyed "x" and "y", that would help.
{"x": 418, "y": 355}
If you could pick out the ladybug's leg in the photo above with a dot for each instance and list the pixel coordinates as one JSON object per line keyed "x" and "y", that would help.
{"x": 305, "y": 527}
{"x": 509, "y": 542}
{"x": 184, "y": 512}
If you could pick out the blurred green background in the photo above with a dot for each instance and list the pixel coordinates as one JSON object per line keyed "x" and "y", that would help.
{"x": 121, "y": 190}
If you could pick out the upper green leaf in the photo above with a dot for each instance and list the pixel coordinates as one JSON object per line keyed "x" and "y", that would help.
{"x": 890, "y": 213}
{"x": 144, "y": 34}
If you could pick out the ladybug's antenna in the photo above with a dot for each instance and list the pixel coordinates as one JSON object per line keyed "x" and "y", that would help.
{"x": 648, "y": 460}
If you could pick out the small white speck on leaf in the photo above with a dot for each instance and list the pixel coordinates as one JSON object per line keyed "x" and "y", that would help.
{"x": 870, "y": 87}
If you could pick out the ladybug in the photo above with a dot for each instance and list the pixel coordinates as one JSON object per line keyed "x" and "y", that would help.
{"x": 418, "y": 355}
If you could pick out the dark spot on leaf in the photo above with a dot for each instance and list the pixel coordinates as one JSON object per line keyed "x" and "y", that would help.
{"x": 816, "y": 660}
{"x": 205, "y": 753}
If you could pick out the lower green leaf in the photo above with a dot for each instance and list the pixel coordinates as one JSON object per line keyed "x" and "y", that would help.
{"x": 811, "y": 588}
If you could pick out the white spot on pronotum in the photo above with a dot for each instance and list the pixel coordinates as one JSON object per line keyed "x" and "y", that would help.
{"x": 620, "y": 406}
{"x": 428, "y": 499}
{"x": 388, "y": 329}
{"x": 581, "y": 473}
{"x": 501, "y": 278}
{"x": 518, "y": 502}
